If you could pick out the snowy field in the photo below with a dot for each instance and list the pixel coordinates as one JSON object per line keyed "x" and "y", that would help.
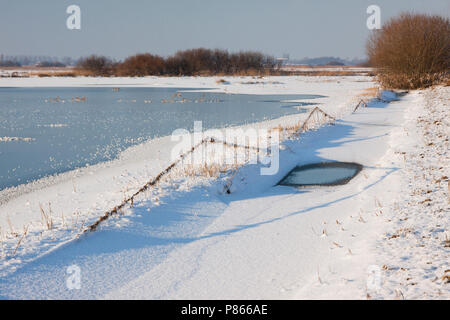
{"x": 383, "y": 235}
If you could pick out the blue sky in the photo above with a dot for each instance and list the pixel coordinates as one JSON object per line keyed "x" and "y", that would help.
{"x": 302, "y": 28}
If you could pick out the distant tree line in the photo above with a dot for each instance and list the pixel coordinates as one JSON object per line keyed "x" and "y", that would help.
{"x": 50, "y": 64}
{"x": 9, "y": 63}
{"x": 43, "y": 64}
{"x": 183, "y": 63}
{"x": 39, "y": 61}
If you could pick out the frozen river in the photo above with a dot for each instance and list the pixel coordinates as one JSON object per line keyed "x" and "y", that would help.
{"x": 44, "y": 131}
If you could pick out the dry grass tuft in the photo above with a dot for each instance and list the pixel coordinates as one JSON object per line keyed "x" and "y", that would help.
{"x": 370, "y": 93}
{"x": 47, "y": 219}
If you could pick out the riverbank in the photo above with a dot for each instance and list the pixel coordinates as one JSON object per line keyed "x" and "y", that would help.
{"x": 189, "y": 239}
{"x": 75, "y": 199}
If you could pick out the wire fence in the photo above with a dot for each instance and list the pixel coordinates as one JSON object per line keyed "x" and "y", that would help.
{"x": 314, "y": 118}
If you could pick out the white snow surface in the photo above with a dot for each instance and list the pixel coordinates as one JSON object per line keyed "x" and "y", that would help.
{"x": 187, "y": 239}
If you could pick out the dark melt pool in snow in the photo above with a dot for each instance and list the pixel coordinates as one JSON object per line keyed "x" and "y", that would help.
{"x": 321, "y": 174}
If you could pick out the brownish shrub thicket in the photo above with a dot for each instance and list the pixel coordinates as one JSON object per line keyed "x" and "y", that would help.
{"x": 206, "y": 62}
{"x": 141, "y": 65}
{"x": 183, "y": 63}
{"x": 96, "y": 65}
{"x": 411, "y": 51}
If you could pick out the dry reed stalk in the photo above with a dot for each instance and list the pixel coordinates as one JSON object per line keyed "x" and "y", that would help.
{"x": 20, "y": 240}
{"x": 46, "y": 217}
{"x": 10, "y": 225}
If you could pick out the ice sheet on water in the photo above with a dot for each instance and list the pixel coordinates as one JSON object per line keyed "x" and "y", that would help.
{"x": 73, "y": 127}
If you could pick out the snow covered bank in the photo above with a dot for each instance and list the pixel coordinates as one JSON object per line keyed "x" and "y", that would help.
{"x": 261, "y": 241}
{"x": 408, "y": 255}
{"x": 70, "y": 201}
{"x": 414, "y": 250}
{"x": 279, "y": 242}
{"x": 382, "y": 235}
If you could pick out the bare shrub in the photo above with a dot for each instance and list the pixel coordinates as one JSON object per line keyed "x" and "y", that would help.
{"x": 411, "y": 51}
{"x": 96, "y": 65}
{"x": 192, "y": 62}
{"x": 141, "y": 65}
{"x": 197, "y": 62}
{"x": 251, "y": 63}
